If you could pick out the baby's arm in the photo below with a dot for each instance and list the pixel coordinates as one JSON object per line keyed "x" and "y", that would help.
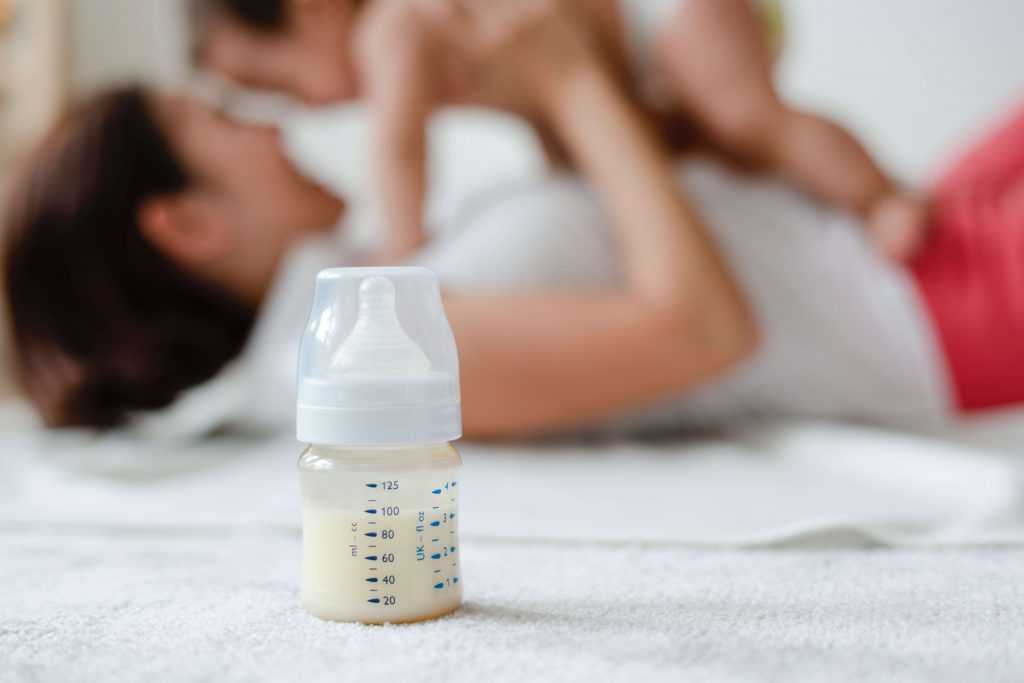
{"x": 399, "y": 85}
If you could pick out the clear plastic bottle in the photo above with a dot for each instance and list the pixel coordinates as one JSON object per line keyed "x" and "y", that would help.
{"x": 379, "y": 402}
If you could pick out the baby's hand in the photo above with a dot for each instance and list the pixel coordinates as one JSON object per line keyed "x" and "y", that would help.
{"x": 898, "y": 225}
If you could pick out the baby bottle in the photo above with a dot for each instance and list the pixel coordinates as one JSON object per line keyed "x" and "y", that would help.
{"x": 378, "y": 400}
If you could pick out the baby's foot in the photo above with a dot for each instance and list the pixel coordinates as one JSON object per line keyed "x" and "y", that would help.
{"x": 898, "y": 225}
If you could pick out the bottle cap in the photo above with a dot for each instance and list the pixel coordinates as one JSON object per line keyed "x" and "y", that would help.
{"x": 377, "y": 364}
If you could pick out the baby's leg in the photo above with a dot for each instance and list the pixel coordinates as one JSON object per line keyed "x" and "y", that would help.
{"x": 719, "y": 69}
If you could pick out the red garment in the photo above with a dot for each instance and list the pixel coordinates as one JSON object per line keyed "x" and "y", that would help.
{"x": 971, "y": 274}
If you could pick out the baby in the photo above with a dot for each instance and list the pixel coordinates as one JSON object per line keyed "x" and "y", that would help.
{"x": 709, "y": 61}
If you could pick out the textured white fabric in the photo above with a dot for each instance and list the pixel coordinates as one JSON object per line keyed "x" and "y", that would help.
{"x": 139, "y": 560}
{"x": 88, "y": 605}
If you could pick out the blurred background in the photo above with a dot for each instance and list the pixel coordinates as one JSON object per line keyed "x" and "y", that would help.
{"x": 913, "y": 78}
{"x": 909, "y": 75}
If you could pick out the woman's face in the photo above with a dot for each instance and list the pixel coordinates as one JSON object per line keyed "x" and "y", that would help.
{"x": 244, "y": 166}
{"x": 245, "y": 205}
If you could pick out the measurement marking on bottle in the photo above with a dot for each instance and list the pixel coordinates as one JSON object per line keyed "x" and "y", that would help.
{"x": 372, "y": 534}
{"x": 435, "y": 540}
{"x": 371, "y": 522}
{"x": 372, "y": 579}
{"x": 436, "y": 556}
{"x": 372, "y": 486}
{"x": 436, "y": 491}
{"x": 437, "y": 571}
{"x": 435, "y": 524}
{"x": 371, "y": 546}
{"x": 370, "y": 511}
{"x": 371, "y": 500}
{"x": 373, "y": 590}
{"x": 455, "y": 580}
{"x": 372, "y": 558}
{"x": 438, "y": 585}
{"x": 436, "y": 507}
{"x": 372, "y": 569}
{"x": 373, "y": 600}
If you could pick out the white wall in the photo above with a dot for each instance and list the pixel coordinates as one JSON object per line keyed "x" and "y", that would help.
{"x": 915, "y": 77}
{"x": 33, "y": 75}
{"x": 125, "y": 40}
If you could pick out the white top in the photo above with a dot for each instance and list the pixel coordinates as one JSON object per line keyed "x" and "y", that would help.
{"x": 843, "y": 333}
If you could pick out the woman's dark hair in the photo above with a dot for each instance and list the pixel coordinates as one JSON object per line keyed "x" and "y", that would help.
{"x": 103, "y": 323}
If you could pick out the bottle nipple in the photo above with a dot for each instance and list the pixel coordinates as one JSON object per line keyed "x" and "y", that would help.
{"x": 377, "y": 343}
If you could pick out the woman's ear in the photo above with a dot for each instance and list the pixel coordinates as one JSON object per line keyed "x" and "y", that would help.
{"x": 187, "y": 229}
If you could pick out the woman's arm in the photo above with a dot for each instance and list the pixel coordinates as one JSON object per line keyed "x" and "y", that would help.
{"x": 532, "y": 363}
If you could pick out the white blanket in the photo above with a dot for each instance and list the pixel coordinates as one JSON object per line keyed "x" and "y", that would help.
{"x": 130, "y": 560}
{"x": 769, "y": 484}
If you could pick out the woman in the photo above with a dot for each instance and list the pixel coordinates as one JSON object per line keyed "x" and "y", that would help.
{"x": 148, "y": 232}
{"x": 96, "y": 342}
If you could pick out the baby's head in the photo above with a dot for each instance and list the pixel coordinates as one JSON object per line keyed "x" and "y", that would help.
{"x": 298, "y": 46}
{"x": 137, "y": 245}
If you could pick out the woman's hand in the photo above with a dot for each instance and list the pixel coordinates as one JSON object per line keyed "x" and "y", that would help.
{"x": 536, "y": 44}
